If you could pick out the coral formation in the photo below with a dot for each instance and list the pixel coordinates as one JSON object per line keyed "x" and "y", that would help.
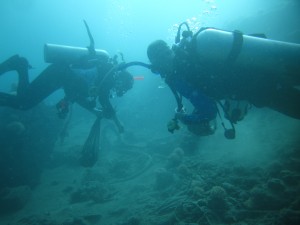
{"x": 217, "y": 199}
{"x": 175, "y": 158}
{"x": 163, "y": 179}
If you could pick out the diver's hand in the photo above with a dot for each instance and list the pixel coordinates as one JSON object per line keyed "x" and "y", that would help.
{"x": 98, "y": 112}
{"x": 62, "y": 108}
{"x": 180, "y": 115}
{"x": 173, "y": 125}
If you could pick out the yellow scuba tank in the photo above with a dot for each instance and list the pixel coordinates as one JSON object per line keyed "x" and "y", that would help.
{"x": 54, "y": 53}
{"x": 218, "y": 48}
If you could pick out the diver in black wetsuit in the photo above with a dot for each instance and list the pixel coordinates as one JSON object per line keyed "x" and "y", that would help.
{"x": 84, "y": 84}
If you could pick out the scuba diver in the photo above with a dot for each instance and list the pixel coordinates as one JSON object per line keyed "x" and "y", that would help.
{"x": 87, "y": 75}
{"x": 82, "y": 83}
{"x": 215, "y": 65}
{"x": 202, "y": 120}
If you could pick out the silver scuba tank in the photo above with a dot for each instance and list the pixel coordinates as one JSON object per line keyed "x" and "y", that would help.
{"x": 54, "y": 53}
{"x": 255, "y": 54}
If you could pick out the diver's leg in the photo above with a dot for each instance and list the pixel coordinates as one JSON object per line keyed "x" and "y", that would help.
{"x": 30, "y": 95}
{"x": 50, "y": 80}
{"x": 16, "y": 63}
{"x": 23, "y": 79}
{"x": 286, "y": 101}
{"x": 21, "y": 66}
{"x": 8, "y": 65}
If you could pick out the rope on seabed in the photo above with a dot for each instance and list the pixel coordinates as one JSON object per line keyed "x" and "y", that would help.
{"x": 211, "y": 217}
{"x": 148, "y": 157}
{"x": 141, "y": 171}
{"x": 203, "y": 216}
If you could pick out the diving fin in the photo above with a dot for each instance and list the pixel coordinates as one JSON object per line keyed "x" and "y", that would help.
{"x": 89, "y": 153}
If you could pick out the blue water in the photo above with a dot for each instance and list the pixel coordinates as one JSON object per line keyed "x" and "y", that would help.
{"x": 253, "y": 179}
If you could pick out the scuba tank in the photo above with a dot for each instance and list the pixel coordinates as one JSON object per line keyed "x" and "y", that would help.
{"x": 68, "y": 54}
{"x": 54, "y": 53}
{"x": 248, "y": 52}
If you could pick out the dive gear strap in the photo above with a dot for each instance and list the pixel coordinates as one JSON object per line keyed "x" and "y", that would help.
{"x": 236, "y": 47}
{"x": 228, "y": 133}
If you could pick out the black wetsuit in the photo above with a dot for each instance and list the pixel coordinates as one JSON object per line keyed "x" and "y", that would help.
{"x": 54, "y": 77}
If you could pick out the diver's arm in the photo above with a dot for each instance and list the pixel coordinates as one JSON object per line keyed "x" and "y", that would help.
{"x": 193, "y": 118}
{"x": 109, "y": 112}
{"x": 89, "y": 105}
{"x": 205, "y": 109}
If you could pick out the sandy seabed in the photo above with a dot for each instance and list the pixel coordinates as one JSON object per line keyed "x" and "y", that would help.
{"x": 175, "y": 179}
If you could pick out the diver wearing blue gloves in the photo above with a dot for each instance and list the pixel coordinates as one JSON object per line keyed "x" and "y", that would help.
{"x": 215, "y": 67}
{"x": 164, "y": 61}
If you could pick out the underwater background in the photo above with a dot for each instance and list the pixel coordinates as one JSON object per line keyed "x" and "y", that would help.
{"x": 146, "y": 175}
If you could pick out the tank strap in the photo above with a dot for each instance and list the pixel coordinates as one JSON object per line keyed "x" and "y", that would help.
{"x": 178, "y": 97}
{"x": 236, "y": 47}
{"x": 228, "y": 133}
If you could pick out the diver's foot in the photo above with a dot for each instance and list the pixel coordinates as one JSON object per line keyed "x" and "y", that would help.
{"x": 17, "y": 63}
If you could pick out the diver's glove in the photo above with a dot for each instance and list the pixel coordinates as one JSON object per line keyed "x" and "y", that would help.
{"x": 62, "y": 108}
{"x": 180, "y": 113}
{"x": 98, "y": 112}
{"x": 173, "y": 125}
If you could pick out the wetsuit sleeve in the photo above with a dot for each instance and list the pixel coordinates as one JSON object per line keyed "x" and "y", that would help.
{"x": 205, "y": 107}
{"x": 106, "y": 84}
{"x": 108, "y": 110}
